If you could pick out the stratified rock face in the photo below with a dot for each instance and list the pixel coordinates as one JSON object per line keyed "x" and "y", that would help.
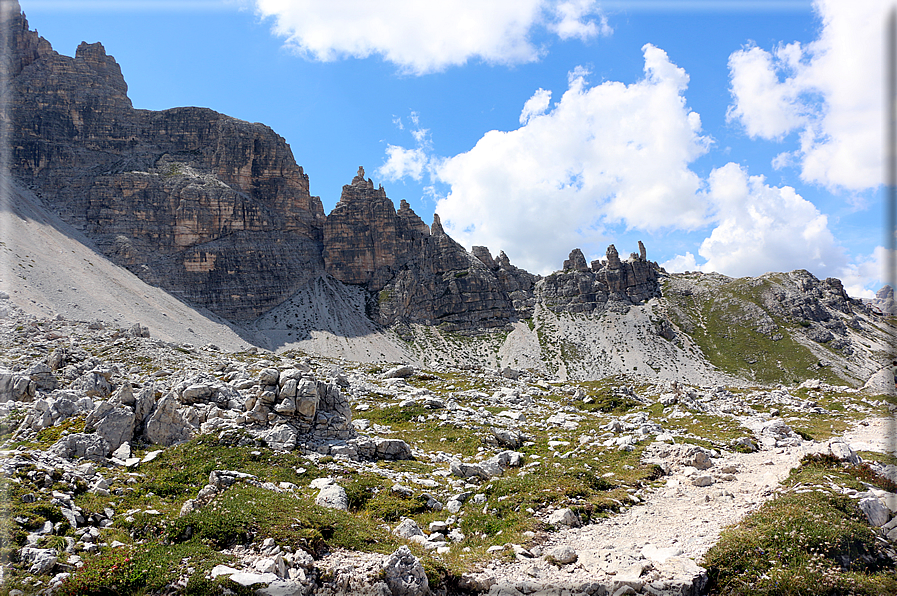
{"x": 445, "y": 285}
{"x": 580, "y": 289}
{"x": 211, "y": 208}
{"x": 366, "y": 240}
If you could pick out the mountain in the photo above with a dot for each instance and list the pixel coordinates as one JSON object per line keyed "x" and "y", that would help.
{"x": 216, "y": 212}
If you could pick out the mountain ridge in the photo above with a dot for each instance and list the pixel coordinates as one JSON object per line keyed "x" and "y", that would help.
{"x": 217, "y": 212}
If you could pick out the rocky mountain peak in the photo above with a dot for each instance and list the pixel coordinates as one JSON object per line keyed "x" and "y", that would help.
{"x": 576, "y": 261}
{"x": 104, "y": 65}
{"x": 613, "y": 258}
{"x": 436, "y": 228}
{"x": 213, "y": 209}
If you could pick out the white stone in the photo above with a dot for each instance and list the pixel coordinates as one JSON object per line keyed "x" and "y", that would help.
{"x": 333, "y": 496}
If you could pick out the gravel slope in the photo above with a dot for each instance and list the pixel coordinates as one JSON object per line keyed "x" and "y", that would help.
{"x": 48, "y": 268}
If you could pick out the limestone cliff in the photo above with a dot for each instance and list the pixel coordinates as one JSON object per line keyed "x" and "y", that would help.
{"x": 216, "y": 211}
{"x": 211, "y": 208}
{"x": 366, "y": 240}
{"x": 580, "y": 288}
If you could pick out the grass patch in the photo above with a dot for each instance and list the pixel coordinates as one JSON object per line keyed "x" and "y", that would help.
{"x": 814, "y": 542}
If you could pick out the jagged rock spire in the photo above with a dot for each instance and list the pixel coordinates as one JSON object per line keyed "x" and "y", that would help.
{"x": 436, "y": 228}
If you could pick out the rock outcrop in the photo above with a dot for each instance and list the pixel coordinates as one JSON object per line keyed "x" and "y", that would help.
{"x": 445, "y": 285}
{"x": 366, "y": 240}
{"x": 579, "y": 288}
{"x": 213, "y": 209}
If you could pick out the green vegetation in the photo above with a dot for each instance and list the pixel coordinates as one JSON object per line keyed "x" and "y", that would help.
{"x": 809, "y": 542}
{"x": 731, "y": 327}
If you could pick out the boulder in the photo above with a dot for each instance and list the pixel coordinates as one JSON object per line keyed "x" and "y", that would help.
{"x": 113, "y": 423}
{"x": 842, "y": 451}
{"x": 393, "y": 449}
{"x": 280, "y": 438}
{"x": 564, "y": 517}
{"x": 563, "y": 555}
{"x": 408, "y": 529}
{"x": 876, "y": 512}
{"x": 333, "y": 496}
{"x": 93, "y": 384}
{"x": 16, "y": 387}
{"x": 399, "y": 372}
{"x": 167, "y": 426}
{"x": 39, "y": 560}
{"x": 405, "y": 575}
{"x": 42, "y": 375}
{"x": 269, "y": 376}
{"x": 73, "y": 446}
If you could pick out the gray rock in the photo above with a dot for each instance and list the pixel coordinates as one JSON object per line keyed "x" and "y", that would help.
{"x": 507, "y": 437}
{"x": 563, "y": 555}
{"x": 197, "y": 392}
{"x": 245, "y": 578}
{"x": 284, "y": 587}
{"x": 15, "y": 387}
{"x": 306, "y": 405}
{"x": 702, "y": 480}
{"x": 288, "y": 387}
{"x": 167, "y": 426}
{"x": 842, "y": 451}
{"x": 399, "y": 372}
{"x": 405, "y": 575}
{"x": 122, "y": 452}
{"x": 269, "y": 376}
{"x": 280, "y": 438}
{"x": 408, "y": 528}
{"x": 564, "y": 517}
{"x": 464, "y": 470}
{"x": 877, "y": 514}
{"x": 333, "y": 496}
{"x": 113, "y": 423}
{"x": 393, "y": 449}
{"x": 40, "y": 560}
{"x": 93, "y": 384}
{"x": 88, "y": 446}
{"x": 42, "y": 375}
{"x": 124, "y": 395}
{"x": 287, "y": 407}
{"x": 510, "y": 373}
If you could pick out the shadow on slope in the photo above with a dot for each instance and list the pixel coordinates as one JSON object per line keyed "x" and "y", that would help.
{"x": 49, "y": 268}
{"x": 327, "y": 317}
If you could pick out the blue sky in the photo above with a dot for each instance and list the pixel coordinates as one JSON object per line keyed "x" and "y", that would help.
{"x": 736, "y": 136}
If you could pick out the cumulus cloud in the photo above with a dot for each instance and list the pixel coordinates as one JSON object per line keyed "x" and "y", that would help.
{"x": 535, "y": 105}
{"x": 573, "y": 20}
{"x": 424, "y": 37}
{"x": 760, "y": 228}
{"x": 763, "y": 228}
{"x": 866, "y": 275}
{"x": 412, "y": 163}
{"x": 608, "y": 154}
{"x": 829, "y": 92}
{"x": 401, "y": 163}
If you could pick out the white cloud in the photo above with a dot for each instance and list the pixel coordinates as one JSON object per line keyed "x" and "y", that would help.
{"x": 423, "y": 37}
{"x": 401, "y": 163}
{"x": 535, "y": 105}
{"x": 761, "y": 228}
{"x": 865, "y": 276}
{"x": 612, "y": 153}
{"x": 572, "y": 20}
{"x": 829, "y": 92}
{"x": 681, "y": 263}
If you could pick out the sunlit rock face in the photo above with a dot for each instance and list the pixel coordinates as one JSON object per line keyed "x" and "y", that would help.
{"x": 211, "y": 208}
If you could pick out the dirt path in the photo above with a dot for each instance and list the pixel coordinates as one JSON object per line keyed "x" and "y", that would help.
{"x": 658, "y": 541}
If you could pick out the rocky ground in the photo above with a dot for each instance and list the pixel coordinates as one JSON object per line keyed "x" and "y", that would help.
{"x": 290, "y": 474}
